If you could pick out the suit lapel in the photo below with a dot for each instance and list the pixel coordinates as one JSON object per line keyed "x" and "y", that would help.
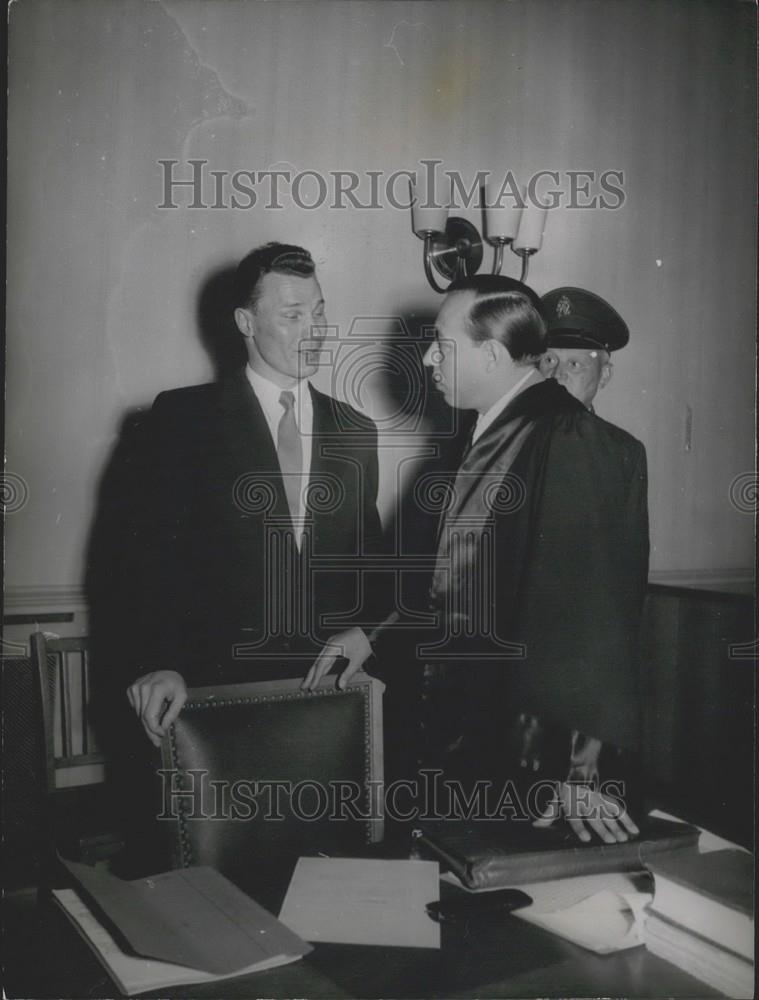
{"x": 249, "y": 451}
{"x": 479, "y": 483}
{"x": 323, "y": 427}
{"x": 494, "y": 451}
{"x": 325, "y": 469}
{"x": 245, "y": 423}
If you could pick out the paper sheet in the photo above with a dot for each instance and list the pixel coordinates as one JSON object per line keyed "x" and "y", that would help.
{"x": 359, "y": 901}
{"x": 603, "y": 913}
{"x": 562, "y": 893}
{"x": 605, "y": 922}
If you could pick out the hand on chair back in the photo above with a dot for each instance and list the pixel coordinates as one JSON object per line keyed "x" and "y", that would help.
{"x": 157, "y": 698}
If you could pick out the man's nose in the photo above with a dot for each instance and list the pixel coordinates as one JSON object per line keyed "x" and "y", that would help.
{"x": 433, "y": 357}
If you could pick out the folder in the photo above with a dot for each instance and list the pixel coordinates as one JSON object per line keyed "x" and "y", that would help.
{"x": 192, "y": 919}
{"x": 500, "y": 853}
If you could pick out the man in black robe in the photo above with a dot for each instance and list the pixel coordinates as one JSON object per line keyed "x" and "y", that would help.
{"x": 542, "y": 553}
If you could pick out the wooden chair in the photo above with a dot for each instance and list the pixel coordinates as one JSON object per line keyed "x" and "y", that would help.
{"x": 256, "y": 774}
{"x": 23, "y": 786}
{"x": 77, "y": 798}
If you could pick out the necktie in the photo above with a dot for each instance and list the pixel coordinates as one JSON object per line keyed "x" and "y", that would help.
{"x": 290, "y": 452}
{"x": 469, "y": 443}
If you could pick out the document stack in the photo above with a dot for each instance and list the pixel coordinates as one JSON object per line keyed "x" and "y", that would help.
{"x": 702, "y": 917}
{"x": 190, "y": 925}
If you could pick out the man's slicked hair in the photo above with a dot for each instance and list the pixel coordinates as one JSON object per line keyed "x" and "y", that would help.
{"x": 281, "y": 258}
{"x": 505, "y": 310}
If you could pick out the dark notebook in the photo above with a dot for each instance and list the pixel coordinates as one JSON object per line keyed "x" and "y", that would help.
{"x": 499, "y": 853}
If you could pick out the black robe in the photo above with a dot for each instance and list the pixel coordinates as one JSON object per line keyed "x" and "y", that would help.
{"x": 541, "y": 567}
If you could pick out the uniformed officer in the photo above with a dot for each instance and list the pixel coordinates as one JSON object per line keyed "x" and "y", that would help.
{"x": 583, "y": 329}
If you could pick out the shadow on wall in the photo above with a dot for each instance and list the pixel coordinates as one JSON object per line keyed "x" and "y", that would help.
{"x": 116, "y": 556}
{"x": 216, "y": 324}
{"x": 120, "y": 559}
{"x": 113, "y": 575}
{"x": 422, "y": 424}
{"x": 438, "y": 433}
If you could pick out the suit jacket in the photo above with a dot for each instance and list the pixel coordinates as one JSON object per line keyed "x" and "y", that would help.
{"x": 541, "y": 568}
{"x": 226, "y": 591}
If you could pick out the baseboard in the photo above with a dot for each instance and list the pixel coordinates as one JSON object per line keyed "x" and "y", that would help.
{"x": 48, "y": 598}
{"x": 726, "y": 581}
{"x": 51, "y": 598}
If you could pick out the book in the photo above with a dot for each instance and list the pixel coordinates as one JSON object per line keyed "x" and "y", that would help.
{"x": 191, "y": 925}
{"x": 709, "y": 894}
{"x": 719, "y": 968}
{"x": 498, "y": 853}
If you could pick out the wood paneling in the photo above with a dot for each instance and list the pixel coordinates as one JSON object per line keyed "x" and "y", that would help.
{"x": 699, "y": 702}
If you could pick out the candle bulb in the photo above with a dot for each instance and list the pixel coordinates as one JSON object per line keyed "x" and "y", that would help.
{"x": 429, "y": 206}
{"x": 531, "y": 227}
{"x": 502, "y": 215}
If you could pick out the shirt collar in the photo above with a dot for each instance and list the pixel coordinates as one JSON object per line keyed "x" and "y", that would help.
{"x": 268, "y": 392}
{"x": 486, "y": 419}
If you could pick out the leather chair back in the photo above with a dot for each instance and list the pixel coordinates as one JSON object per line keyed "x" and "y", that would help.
{"x": 257, "y": 774}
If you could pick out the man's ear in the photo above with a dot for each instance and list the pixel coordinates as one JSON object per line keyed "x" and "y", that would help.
{"x": 492, "y": 352}
{"x": 606, "y": 373}
{"x": 245, "y": 322}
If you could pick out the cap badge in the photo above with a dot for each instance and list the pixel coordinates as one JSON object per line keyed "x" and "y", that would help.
{"x": 563, "y": 306}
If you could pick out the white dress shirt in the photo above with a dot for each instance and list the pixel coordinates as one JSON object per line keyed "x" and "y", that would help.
{"x": 486, "y": 419}
{"x": 268, "y": 393}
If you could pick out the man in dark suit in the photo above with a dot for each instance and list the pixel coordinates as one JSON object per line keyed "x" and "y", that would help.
{"x": 260, "y": 501}
{"x": 542, "y": 552}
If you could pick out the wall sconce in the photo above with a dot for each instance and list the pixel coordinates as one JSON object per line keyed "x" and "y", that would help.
{"x": 453, "y": 246}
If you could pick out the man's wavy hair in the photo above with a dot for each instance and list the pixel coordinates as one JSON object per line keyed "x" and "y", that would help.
{"x": 505, "y": 310}
{"x": 281, "y": 258}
